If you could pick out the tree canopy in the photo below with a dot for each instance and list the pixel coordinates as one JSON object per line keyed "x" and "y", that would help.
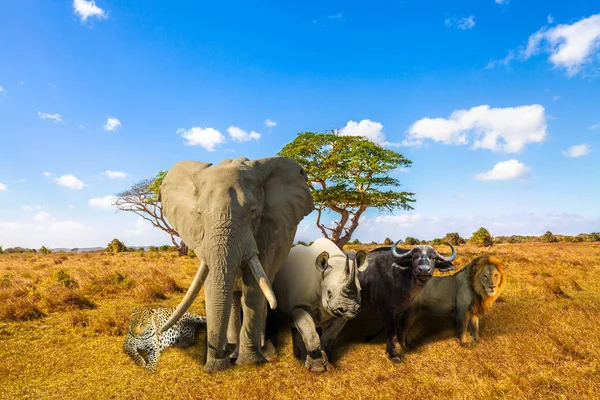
{"x": 142, "y": 199}
{"x": 348, "y": 175}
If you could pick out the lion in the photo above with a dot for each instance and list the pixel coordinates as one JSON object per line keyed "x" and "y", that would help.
{"x": 466, "y": 295}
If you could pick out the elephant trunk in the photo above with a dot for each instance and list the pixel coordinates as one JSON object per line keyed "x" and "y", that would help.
{"x": 189, "y": 297}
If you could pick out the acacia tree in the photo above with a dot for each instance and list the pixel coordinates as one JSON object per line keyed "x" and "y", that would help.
{"x": 142, "y": 199}
{"x": 348, "y": 175}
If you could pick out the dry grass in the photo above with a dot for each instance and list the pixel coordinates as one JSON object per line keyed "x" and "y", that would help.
{"x": 63, "y": 317}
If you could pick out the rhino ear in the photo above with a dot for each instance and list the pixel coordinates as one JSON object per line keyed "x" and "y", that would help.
{"x": 287, "y": 199}
{"x": 361, "y": 261}
{"x": 178, "y": 196}
{"x": 321, "y": 261}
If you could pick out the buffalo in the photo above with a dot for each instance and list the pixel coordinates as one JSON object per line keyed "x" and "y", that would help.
{"x": 394, "y": 277}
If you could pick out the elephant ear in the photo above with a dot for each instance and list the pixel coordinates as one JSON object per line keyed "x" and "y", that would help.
{"x": 287, "y": 200}
{"x": 178, "y": 196}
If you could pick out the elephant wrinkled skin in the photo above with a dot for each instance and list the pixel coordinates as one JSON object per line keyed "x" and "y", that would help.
{"x": 240, "y": 217}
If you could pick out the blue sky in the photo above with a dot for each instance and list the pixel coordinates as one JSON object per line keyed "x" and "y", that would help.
{"x": 497, "y": 103}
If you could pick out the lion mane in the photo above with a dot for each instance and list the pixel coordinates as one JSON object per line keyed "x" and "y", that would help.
{"x": 482, "y": 300}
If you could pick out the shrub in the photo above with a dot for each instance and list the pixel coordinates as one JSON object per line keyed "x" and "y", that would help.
{"x": 549, "y": 237}
{"x": 153, "y": 248}
{"x": 355, "y": 241}
{"x": 454, "y": 239}
{"x": 482, "y": 237}
{"x": 437, "y": 241}
{"x": 411, "y": 241}
{"x": 388, "y": 242}
{"x": 45, "y": 250}
{"x": 116, "y": 246}
{"x": 302, "y": 243}
{"x": 0, "y": 249}
{"x": 164, "y": 247}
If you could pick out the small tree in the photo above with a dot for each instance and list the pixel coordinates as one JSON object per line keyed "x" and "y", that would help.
{"x": 45, "y": 250}
{"x": 411, "y": 241}
{"x": 116, "y": 246}
{"x": 454, "y": 239}
{"x": 482, "y": 238}
{"x": 549, "y": 237}
{"x": 437, "y": 241}
{"x": 388, "y": 242}
{"x": 0, "y": 249}
{"x": 348, "y": 175}
{"x": 142, "y": 199}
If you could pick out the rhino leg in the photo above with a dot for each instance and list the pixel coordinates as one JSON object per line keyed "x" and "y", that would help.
{"x": 330, "y": 332}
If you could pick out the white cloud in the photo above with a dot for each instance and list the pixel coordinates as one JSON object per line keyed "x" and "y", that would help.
{"x": 461, "y": 23}
{"x": 55, "y": 117}
{"x": 369, "y": 129}
{"x": 103, "y": 203}
{"x": 115, "y": 174}
{"x": 502, "y": 1}
{"x": 31, "y": 208}
{"x": 240, "y": 135}
{"x": 497, "y": 129}
{"x": 208, "y": 138}
{"x": 2, "y": 90}
{"x": 68, "y": 180}
{"x": 112, "y": 124}
{"x": 550, "y": 19}
{"x": 578, "y": 150}
{"x": 81, "y": 126}
{"x": 570, "y": 47}
{"x": 336, "y": 16}
{"x": 555, "y": 97}
{"x": 3, "y": 187}
{"x": 595, "y": 126}
{"x": 505, "y": 170}
{"x": 42, "y": 217}
{"x": 270, "y": 123}
{"x": 86, "y": 9}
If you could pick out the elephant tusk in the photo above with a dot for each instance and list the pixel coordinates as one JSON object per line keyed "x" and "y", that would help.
{"x": 263, "y": 281}
{"x": 189, "y": 297}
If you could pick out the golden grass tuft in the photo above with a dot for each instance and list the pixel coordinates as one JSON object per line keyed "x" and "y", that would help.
{"x": 541, "y": 338}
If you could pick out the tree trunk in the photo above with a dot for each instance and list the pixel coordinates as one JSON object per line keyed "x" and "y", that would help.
{"x": 182, "y": 249}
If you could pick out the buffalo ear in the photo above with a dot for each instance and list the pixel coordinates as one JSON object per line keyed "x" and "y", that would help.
{"x": 361, "y": 261}
{"x": 178, "y": 196}
{"x": 321, "y": 261}
{"x": 444, "y": 266}
{"x": 287, "y": 200}
{"x": 403, "y": 264}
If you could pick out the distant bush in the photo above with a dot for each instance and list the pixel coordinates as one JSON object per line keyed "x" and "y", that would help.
{"x": 302, "y": 243}
{"x": 355, "y": 241}
{"x": 116, "y": 246}
{"x": 388, "y": 242}
{"x": 549, "y": 237}
{"x": 152, "y": 248}
{"x": 454, "y": 239}
{"x": 437, "y": 241}
{"x": 0, "y": 249}
{"x": 411, "y": 241}
{"x": 481, "y": 237}
{"x": 164, "y": 247}
{"x": 45, "y": 250}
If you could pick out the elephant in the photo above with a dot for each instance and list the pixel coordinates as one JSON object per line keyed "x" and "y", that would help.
{"x": 240, "y": 218}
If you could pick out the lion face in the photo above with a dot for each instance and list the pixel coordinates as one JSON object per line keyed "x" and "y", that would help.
{"x": 490, "y": 278}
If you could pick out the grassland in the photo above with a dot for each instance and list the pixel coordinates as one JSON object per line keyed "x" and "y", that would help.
{"x": 63, "y": 318}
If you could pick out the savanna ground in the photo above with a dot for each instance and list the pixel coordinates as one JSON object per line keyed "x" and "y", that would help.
{"x": 63, "y": 317}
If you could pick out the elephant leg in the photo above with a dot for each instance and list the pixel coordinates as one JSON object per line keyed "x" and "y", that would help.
{"x": 254, "y": 309}
{"x": 219, "y": 298}
{"x": 235, "y": 323}
{"x": 330, "y": 332}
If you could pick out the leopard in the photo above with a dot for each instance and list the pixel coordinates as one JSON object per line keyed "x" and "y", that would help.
{"x": 144, "y": 334}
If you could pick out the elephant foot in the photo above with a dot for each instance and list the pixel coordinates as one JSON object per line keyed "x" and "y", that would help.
{"x": 320, "y": 364}
{"x": 269, "y": 351}
{"x": 250, "y": 359}
{"x": 217, "y": 364}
